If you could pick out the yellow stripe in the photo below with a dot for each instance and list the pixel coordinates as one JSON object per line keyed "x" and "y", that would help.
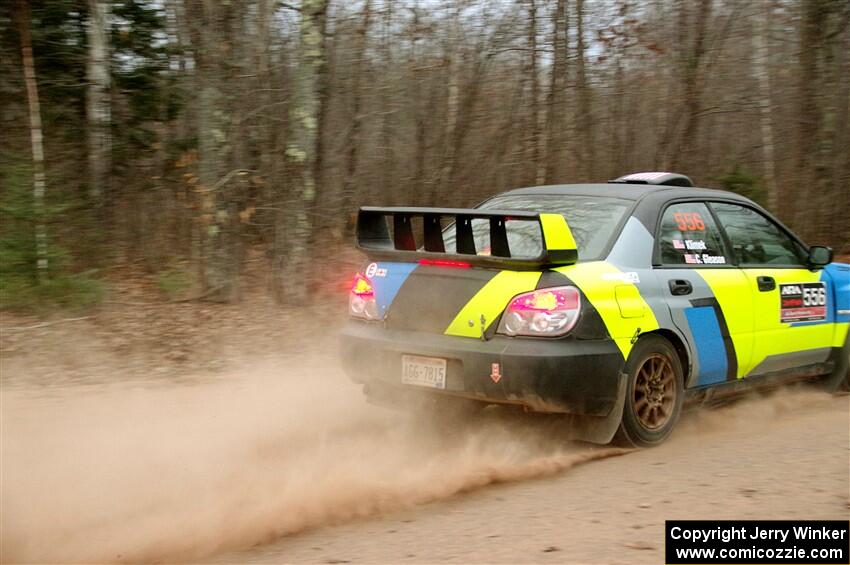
{"x": 753, "y": 317}
{"x": 729, "y": 287}
{"x": 490, "y": 301}
{"x": 771, "y": 336}
{"x": 556, "y": 232}
{"x": 599, "y": 282}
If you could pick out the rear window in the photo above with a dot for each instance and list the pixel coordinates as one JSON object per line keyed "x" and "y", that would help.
{"x": 592, "y": 220}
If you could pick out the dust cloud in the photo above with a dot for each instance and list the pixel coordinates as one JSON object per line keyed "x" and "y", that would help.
{"x": 152, "y": 472}
{"x": 179, "y": 472}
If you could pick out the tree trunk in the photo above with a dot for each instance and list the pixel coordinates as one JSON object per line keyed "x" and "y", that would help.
{"x": 420, "y": 106}
{"x": 354, "y": 133}
{"x": 387, "y": 175}
{"x": 36, "y": 141}
{"x": 537, "y": 169}
{"x": 452, "y": 106}
{"x": 841, "y": 153}
{"x": 761, "y": 70}
{"x": 685, "y": 152}
{"x": 808, "y": 129}
{"x": 587, "y": 151}
{"x": 98, "y": 104}
{"x": 219, "y": 226}
{"x": 295, "y": 223}
{"x": 555, "y": 122}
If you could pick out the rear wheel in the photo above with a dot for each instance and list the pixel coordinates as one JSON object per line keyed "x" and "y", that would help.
{"x": 654, "y": 393}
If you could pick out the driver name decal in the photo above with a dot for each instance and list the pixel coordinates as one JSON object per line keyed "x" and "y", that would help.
{"x": 802, "y": 302}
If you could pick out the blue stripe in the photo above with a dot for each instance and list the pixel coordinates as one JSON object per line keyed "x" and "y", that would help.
{"x": 387, "y": 286}
{"x": 839, "y": 274}
{"x": 709, "y": 342}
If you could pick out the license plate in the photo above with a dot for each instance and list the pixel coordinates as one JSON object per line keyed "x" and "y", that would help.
{"x": 423, "y": 371}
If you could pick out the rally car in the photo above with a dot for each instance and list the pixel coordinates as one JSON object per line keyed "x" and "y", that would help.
{"x": 613, "y": 303}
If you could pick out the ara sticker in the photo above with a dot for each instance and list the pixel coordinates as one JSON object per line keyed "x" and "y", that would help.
{"x": 802, "y": 302}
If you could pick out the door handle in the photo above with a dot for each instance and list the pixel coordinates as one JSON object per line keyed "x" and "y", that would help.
{"x": 680, "y": 287}
{"x": 766, "y": 284}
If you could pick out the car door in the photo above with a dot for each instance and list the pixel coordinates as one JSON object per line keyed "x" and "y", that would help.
{"x": 793, "y": 326}
{"x": 709, "y": 297}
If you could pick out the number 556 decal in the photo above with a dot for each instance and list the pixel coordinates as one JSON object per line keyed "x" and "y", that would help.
{"x": 802, "y": 302}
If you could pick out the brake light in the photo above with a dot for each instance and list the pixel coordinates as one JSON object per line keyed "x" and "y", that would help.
{"x": 548, "y": 312}
{"x": 445, "y": 263}
{"x": 361, "y": 299}
{"x": 362, "y": 286}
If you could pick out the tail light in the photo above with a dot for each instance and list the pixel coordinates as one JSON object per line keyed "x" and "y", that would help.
{"x": 548, "y": 312}
{"x": 361, "y": 299}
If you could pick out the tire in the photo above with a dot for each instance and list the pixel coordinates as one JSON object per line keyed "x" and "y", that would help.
{"x": 654, "y": 393}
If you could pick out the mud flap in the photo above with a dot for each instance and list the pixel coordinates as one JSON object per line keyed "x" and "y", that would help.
{"x": 601, "y": 430}
{"x": 839, "y": 379}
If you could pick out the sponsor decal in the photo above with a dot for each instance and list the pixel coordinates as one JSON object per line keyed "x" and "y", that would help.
{"x": 495, "y": 372}
{"x": 690, "y": 244}
{"x": 709, "y": 259}
{"x": 627, "y": 277}
{"x": 802, "y": 302}
{"x": 704, "y": 259}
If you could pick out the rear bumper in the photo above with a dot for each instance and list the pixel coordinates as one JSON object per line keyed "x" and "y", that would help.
{"x": 562, "y": 376}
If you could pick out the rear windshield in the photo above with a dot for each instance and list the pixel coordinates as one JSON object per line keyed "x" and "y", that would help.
{"x": 592, "y": 220}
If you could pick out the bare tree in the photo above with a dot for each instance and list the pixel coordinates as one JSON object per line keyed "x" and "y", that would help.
{"x": 36, "y": 140}
{"x": 354, "y": 132}
{"x": 219, "y": 227}
{"x": 761, "y": 70}
{"x": 98, "y": 102}
{"x": 585, "y": 122}
{"x": 294, "y": 228}
{"x": 533, "y": 76}
{"x": 555, "y": 108}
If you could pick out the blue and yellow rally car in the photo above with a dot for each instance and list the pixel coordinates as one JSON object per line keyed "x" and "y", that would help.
{"x": 613, "y": 303}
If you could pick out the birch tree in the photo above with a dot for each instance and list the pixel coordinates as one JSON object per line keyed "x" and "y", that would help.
{"x": 98, "y": 104}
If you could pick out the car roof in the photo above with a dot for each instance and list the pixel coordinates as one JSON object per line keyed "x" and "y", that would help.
{"x": 625, "y": 191}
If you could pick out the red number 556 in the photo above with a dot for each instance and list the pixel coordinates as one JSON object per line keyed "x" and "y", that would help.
{"x": 689, "y": 221}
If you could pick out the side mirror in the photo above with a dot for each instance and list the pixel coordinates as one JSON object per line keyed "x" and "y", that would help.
{"x": 819, "y": 256}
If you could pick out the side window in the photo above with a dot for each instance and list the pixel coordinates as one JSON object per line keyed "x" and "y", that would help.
{"x": 689, "y": 236}
{"x": 755, "y": 239}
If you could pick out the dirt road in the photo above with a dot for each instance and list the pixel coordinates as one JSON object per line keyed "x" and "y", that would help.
{"x": 283, "y": 461}
{"x": 781, "y": 457}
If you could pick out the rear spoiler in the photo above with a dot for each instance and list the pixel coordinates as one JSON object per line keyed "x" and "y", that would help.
{"x": 373, "y": 237}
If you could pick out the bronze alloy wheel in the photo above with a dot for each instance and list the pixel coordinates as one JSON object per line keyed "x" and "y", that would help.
{"x": 655, "y": 390}
{"x": 654, "y": 395}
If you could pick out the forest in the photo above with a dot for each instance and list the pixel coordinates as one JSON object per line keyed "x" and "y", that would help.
{"x": 189, "y": 137}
